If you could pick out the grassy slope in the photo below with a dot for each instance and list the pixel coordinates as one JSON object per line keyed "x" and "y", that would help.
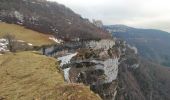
{"x": 22, "y": 33}
{"x": 28, "y": 76}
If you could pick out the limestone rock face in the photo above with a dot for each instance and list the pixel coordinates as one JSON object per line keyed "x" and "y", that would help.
{"x": 102, "y": 44}
{"x": 96, "y": 65}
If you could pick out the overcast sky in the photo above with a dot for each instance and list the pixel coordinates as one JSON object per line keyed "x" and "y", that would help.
{"x": 137, "y": 13}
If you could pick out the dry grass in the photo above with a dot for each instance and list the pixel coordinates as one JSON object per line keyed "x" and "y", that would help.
{"x": 29, "y": 76}
{"x": 22, "y": 33}
{"x": 70, "y": 92}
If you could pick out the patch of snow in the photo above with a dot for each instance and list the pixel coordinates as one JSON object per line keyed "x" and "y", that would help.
{"x": 21, "y": 41}
{"x": 66, "y": 74}
{"x": 66, "y": 59}
{"x": 3, "y": 45}
{"x": 55, "y": 39}
{"x": 19, "y": 23}
{"x": 19, "y": 16}
{"x": 2, "y": 49}
{"x": 3, "y": 40}
{"x": 30, "y": 44}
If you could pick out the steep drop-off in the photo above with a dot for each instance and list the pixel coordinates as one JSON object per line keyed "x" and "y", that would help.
{"x": 152, "y": 44}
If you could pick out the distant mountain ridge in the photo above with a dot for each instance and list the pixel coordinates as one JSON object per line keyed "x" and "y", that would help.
{"x": 152, "y": 44}
{"x": 149, "y": 81}
{"x": 50, "y": 18}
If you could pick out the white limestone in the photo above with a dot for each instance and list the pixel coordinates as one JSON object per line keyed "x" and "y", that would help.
{"x": 110, "y": 67}
{"x": 55, "y": 39}
{"x": 102, "y": 44}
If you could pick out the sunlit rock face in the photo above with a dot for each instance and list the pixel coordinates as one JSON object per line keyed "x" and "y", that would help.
{"x": 101, "y": 75}
{"x": 94, "y": 71}
{"x": 110, "y": 68}
{"x": 96, "y": 65}
{"x": 102, "y": 44}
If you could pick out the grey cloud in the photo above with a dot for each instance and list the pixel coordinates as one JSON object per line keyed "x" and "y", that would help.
{"x": 130, "y": 12}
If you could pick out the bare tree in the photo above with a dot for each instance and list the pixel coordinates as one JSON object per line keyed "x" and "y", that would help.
{"x": 11, "y": 41}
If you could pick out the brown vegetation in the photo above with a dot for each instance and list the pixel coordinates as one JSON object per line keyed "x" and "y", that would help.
{"x": 49, "y": 17}
{"x": 31, "y": 76}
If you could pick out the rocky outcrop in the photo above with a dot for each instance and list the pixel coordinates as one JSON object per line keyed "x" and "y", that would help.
{"x": 98, "y": 71}
{"x": 96, "y": 64}
{"x": 101, "y": 44}
{"x": 100, "y": 65}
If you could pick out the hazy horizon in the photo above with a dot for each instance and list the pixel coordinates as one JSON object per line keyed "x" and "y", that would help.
{"x": 136, "y": 13}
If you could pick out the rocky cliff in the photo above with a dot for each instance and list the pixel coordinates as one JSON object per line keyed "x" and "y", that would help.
{"x": 109, "y": 67}
{"x": 114, "y": 70}
{"x": 98, "y": 64}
